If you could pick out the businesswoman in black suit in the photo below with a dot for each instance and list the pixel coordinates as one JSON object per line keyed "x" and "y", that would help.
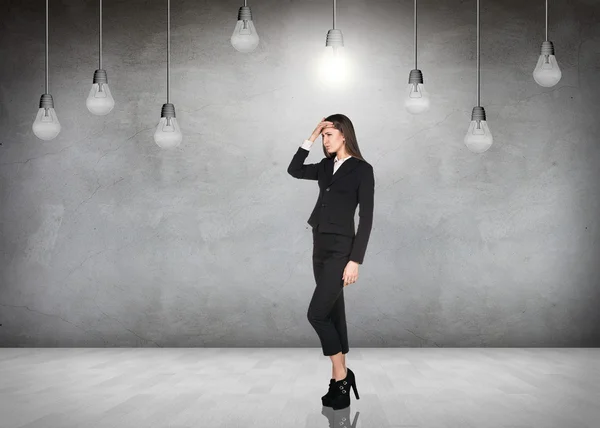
{"x": 345, "y": 180}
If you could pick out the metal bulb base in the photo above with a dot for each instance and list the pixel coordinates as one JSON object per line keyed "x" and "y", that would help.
{"x": 100, "y": 76}
{"x": 415, "y": 77}
{"x": 547, "y": 48}
{"x": 334, "y": 38}
{"x": 168, "y": 110}
{"x": 478, "y": 113}
{"x": 245, "y": 14}
{"x": 46, "y": 101}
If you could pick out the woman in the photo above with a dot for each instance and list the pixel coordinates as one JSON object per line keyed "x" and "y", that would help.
{"x": 345, "y": 180}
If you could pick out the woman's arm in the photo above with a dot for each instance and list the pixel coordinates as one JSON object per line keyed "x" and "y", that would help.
{"x": 298, "y": 169}
{"x": 366, "y": 196}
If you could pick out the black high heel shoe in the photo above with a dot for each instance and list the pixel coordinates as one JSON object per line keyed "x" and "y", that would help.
{"x": 326, "y": 399}
{"x": 341, "y": 390}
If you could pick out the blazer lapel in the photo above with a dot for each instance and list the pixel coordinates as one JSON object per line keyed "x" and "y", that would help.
{"x": 346, "y": 166}
{"x": 328, "y": 170}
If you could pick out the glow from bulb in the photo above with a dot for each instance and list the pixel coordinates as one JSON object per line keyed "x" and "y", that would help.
{"x": 334, "y": 66}
{"x": 547, "y": 72}
{"x": 417, "y": 99}
{"x": 167, "y": 134}
{"x": 478, "y": 138}
{"x": 46, "y": 125}
{"x": 100, "y": 101}
{"x": 244, "y": 38}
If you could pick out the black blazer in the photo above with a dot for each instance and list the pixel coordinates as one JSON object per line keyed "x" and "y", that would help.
{"x": 339, "y": 194}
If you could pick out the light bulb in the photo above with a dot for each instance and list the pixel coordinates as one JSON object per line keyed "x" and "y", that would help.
{"x": 46, "y": 125}
{"x": 547, "y": 72}
{"x": 244, "y": 38}
{"x": 417, "y": 99}
{"x": 100, "y": 101}
{"x": 334, "y": 67}
{"x": 167, "y": 134}
{"x": 478, "y": 138}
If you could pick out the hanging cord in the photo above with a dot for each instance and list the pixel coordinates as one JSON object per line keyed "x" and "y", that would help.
{"x": 100, "y": 57}
{"x": 546, "y": 20}
{"x": 334, "y": 14}
{"x": 415, "y": 34}
{"x": 245, "y": 3}
{"x": 46, "y": 47}
{"x": 168, "y": 46}
{"x": 478, "y": 98}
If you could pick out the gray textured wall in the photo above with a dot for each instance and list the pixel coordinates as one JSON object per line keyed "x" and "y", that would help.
{"x": 107, "y": 240}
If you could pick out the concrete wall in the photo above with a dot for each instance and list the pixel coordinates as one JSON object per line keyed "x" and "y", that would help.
{"x": 108, "y": 240}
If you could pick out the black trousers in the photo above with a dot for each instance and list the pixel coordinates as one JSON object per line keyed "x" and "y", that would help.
{"x": 326, "y": 312}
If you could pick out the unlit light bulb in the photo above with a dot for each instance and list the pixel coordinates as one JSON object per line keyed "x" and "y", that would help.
{"x": 46, "y": 125}
{"x": 167, "y": 134}
{"x": 547, "y": 72}
{"x": 417, "y": 98}
{"x": 244, "y": 37}
{"x": 478, "y": 138}
{"x": 100, "y": 101}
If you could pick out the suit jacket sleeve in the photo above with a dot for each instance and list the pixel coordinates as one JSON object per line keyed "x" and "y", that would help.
{"x": 366, "y": 191}
{"x": 298, "y": 169}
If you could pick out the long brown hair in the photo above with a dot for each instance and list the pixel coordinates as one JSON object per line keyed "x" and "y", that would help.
{"x": 344, "y": 125}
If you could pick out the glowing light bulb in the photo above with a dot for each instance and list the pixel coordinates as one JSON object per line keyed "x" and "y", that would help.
{"x": 334, "y": 66}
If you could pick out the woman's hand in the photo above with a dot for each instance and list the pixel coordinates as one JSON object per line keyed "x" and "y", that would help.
{"x": 323, "y": 124}
{"x": 350, "y": 273}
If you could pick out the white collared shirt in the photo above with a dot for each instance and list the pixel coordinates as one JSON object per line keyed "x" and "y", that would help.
{"x": 307, "y": 144}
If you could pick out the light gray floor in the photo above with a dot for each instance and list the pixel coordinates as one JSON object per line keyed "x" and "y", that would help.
{"x": 222, "y": 388}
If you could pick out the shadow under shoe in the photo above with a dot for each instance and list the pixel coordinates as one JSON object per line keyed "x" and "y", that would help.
{"x": 339, "y": 418}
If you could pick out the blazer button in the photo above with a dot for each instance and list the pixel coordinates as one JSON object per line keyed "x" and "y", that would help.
{"x": 323, "y": 205}
{"x": 327, "y": 190}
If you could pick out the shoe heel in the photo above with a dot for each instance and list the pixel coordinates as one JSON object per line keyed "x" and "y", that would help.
{"x": 355, "y": 390}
